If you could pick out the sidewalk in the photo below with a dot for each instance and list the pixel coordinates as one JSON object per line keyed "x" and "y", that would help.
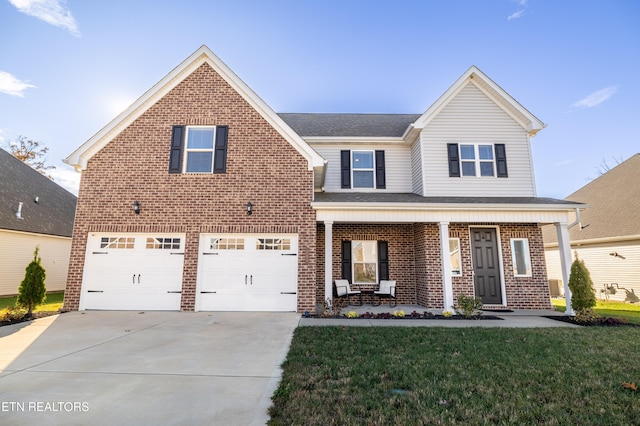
{"x": 518, "y": 318}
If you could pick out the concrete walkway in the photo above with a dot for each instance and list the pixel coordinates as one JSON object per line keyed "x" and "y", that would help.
{"x": 153, "y": 368}
{"x": 519, "y": 318}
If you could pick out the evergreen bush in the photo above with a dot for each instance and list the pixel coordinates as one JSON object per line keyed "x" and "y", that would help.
{"x": 583, "y": 295}
{"x": 32, "y": 291}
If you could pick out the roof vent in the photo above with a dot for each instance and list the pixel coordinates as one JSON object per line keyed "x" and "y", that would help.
{"x": 36, "y": 200}
{"x": 19, "y": 212}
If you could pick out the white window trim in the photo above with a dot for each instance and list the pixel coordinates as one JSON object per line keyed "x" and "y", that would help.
{"x": 354, "y": 262}
{"x": 453, "y": 273}
{"x": 476, "y": 160}
{"x": 527, "y": 258}
{"x": 372, "y": 169}
{"x": 187, "y": 150}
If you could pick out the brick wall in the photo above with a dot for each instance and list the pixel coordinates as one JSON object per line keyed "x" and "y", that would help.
{"x": 262, "y": 167}
{"x": 401, "y": 256}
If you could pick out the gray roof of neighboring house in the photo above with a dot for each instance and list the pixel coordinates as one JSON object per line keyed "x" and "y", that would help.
{"x": 386, "y": 197}
{"x": 365, "y": 125}
{"x": 614, "y": 203}
{"x": 54, "y": 212}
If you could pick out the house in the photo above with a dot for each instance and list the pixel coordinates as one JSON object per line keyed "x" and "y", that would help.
{"x": 36, "y": 212}
{"x": 200, "y": 197}
{"x": 608, "y": 238}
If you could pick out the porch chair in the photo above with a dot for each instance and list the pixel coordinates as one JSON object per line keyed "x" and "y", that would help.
{"x": 343, "y": 289}
{"x": 387, "y": 289}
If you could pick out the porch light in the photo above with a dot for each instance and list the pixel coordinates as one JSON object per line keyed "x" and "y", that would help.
{"x": 136, "y": 207}
{"x": 249, "y": 208}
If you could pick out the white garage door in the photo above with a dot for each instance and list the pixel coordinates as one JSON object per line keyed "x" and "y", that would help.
{"x": 247, "y": 273}
{"x": 133, "y": 271}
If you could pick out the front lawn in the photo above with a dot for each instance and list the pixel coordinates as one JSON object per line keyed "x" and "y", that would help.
{"x": 52, "y": 303}
{"x": 608, "y": 308}
{"x": 419, "y": 376}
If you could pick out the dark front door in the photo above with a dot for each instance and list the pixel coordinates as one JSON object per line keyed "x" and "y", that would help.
{"x": 486, "y": 265}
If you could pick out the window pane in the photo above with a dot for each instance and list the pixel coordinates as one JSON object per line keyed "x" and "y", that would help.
{"x": 364, "y": 251}
{"x": 485, "y": 152}
{"x": 362, "y": 179}
{"x": 467, "y": 152}
{"x": 364, "y": 272}
{"x": 200, "y": 138}
{"x": 486, "y": 168}
{"x": 199, "y": 162}
{"x": 521, "y": 260}
{"x": 454, "y": 253}
{"x": 468, "y": 168}
{"x": 362, "y": 159}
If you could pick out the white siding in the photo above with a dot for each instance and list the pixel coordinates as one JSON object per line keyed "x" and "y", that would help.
{"x": 397, "y": 165}
{"x": 416, "y": 168}
{"x": 16, "y": 252}
{"x": 473, "y": 118}
{"x": 604, "y": 268}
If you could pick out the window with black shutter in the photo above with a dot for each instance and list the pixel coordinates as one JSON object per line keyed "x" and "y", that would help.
{"x": 501, "y": 160}
{"x": 199, "y": 149}
{"x": 454, "y": 160}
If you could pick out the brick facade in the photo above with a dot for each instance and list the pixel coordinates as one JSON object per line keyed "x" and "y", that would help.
{"x": 415, "y": 261}
{"x": 262, "y": 167}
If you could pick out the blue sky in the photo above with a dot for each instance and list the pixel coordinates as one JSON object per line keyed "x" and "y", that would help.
{"x": 68, "y": 67}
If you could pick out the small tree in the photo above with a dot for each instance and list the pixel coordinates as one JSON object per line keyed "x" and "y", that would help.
{"x": 32, "y": 153}
{"x": 32, "y": 291}
{"x": 582, "y": 294}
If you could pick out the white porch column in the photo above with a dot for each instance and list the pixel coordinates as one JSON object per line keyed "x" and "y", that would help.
{"x": 328, "y": 264}
{"x": 564, "y": 248}
{"x": 447, "y": 283}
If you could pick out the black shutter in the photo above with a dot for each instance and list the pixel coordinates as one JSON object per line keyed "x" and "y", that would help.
{"x": 175, "y": 158}
{"x": 346, "y": 260}
{"x": 383, "y": 260}
{"x": 220, "y": 154}
{"x": 345, "y": 168}
{"x": 454, "y": 160}
{"x": 501, "y": 160}
{"x": 381, "y": 182}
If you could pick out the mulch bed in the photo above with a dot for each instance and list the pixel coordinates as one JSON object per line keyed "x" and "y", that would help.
{"x": 597, "y": 322}
{"x": 35, "y": 315}
{"x": 414, "y": 315}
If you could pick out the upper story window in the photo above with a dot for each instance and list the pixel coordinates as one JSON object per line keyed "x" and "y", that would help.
{"x": 477, "y": 160}
{"x": 362, "y": 169}
{"x": 483, "y": 160}
{"x": 198, "y": 149}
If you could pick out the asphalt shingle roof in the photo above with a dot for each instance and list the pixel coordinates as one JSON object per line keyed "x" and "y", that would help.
{"x": 366, "y": 125}
{"x": 54, "y": 212}
{"x": 373, "y": 197}
{"x": 614, "y": 200}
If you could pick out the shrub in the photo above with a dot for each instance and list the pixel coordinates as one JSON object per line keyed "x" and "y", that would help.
{"x": 468, "y": 306}
{"x": 32, "y": 291}
{"x": 12, "y": 313}
{"x": 582, "y": 294}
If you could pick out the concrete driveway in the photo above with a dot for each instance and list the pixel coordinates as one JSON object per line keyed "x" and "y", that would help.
{"x": 93, "y": 368}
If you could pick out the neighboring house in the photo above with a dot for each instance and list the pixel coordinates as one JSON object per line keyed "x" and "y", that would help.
{"x": 36, "y": 212}
{"x": 608, "y": 237}
{"x": 200, "y": 197}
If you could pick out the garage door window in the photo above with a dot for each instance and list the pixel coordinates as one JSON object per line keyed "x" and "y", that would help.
{"x": 273, "y": 244}
{"x": 117, "y": 242}
{"x": 226, "y": 244}
{"x": 163, "y": 243}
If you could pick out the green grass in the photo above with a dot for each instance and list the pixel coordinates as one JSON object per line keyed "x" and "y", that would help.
{"x": 443, "y": 376}
{"x": 52, "y": 303}
{"x": 604, "y": 308}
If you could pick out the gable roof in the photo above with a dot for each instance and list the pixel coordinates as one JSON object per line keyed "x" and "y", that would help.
{"x": 614, "y": 200}
{"x": 476, "y": 77}
{"x": 52, "y": 214}
{"x": 81, "y": 156}
{"x": 349, "y": 125}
